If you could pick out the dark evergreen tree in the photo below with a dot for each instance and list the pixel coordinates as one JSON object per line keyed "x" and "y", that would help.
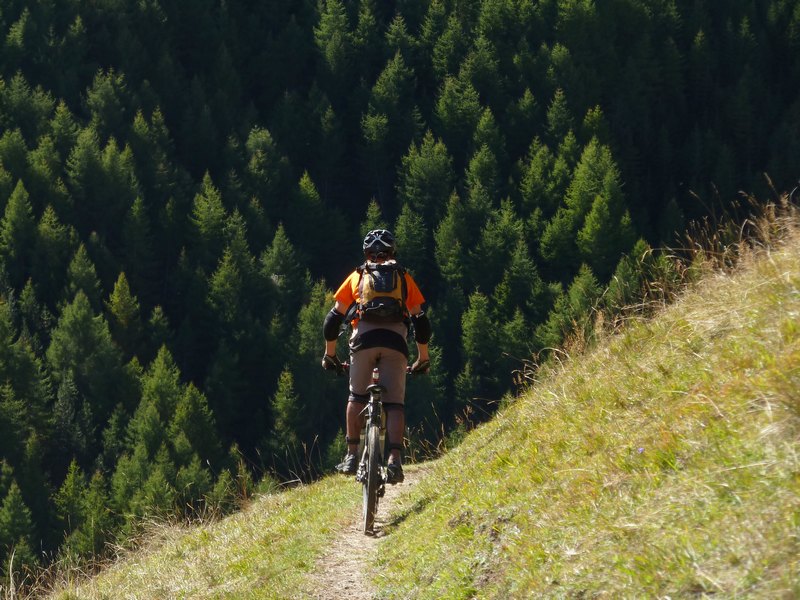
{"x": 458, "y": 111}
{"x": 17, "y": 237}
{"x": 81, "y": 345}
{"x": 426, "y": 178}
{"x": 208, "y": 218}
{"x": 17, "y": 533}
{"x": 124, "y": 317}
{"x": 572, "y": 318}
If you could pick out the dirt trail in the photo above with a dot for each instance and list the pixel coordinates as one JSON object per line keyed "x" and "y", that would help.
{"x": 339, "y": 573}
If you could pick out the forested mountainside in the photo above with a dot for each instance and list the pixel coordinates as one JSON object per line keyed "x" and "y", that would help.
{"x": 183, "y": 182}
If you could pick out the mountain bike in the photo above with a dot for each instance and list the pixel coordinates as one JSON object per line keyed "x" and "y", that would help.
{"x": 371, "y": 472}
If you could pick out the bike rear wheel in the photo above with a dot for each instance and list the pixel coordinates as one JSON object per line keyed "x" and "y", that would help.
{"x": 372, "y": 479}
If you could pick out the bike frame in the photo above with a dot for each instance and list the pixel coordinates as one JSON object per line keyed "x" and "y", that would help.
{"x": 371, "y": 469}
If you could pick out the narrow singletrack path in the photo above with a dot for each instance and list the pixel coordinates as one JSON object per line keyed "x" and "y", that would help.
{"x": 340, "y": 572}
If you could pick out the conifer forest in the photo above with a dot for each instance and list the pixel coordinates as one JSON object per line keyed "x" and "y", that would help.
{"x": 183, "y": 183}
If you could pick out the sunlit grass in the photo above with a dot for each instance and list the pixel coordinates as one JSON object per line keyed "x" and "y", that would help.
{"x": 662, "y": 463}
{"x": 264, "y": 551}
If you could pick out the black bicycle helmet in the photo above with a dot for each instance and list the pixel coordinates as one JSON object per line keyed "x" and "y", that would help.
{"x": 379, "y": 243}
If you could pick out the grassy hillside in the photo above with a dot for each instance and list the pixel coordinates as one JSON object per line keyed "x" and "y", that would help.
{"x": 662, "y": 463}
{"x": 264, "y": 551}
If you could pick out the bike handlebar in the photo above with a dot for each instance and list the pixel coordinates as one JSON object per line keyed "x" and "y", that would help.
{"x": 409, "y": 370}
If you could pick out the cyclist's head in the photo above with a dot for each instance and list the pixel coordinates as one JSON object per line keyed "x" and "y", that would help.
{"x": 379, "y": 244}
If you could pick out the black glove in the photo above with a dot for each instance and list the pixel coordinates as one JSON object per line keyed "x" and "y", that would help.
{"x": 332, "y": 363}
{"x": 420, "y": 367}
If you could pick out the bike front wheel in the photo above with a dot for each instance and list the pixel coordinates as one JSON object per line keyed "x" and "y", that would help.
{"x": 372, "y": 479}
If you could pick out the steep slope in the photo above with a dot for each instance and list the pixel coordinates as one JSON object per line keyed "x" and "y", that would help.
{"x": 661, "y": 463}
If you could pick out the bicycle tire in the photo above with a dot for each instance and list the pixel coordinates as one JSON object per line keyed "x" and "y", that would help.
{"x": 372, "y": 479}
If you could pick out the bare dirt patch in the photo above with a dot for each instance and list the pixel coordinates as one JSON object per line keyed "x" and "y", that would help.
{"x": 340, "y": 572}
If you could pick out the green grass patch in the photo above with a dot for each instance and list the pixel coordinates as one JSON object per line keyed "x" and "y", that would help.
{"x": 662, "y": 463}
{"x": 265, "y": 551}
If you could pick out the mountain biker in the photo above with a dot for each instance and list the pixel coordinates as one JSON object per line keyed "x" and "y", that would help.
{"x": 370, "y": 342}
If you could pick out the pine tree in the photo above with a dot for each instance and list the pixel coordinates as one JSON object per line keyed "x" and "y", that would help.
{"x": 27, "y": 108}
{"x": 64, "y": 129}
{"x": 595, "y": 175}
{"x": 106, "y": 100}
{"x": 373, "y": 219}
{"x": 399, "y": 40}
{"x": 120, "y": 188}
{"x": 480, "y": 342}
{"x": 157, "y": 494}
{"x": 487, "y": 133}
{"x": 627, "y": 283}
{"x": 13, "y": 424}
{"x": 68, "y": 498}
{"x": 367, "y": 43}
{"x": 287, "y": 414}
{"x": 114, "y": 439}
{"x": 389, "y": 126}
{"x": 73, "y": 422}
{"x": 14, "y": 154}
{"x": 16, "y": 528}
{"x": 449, "y": 49}
{"x": 604, "y": 237}
{"x": 524, "y": 120}
{"x": 334, "y": 43}
{"x": 281, "y": 265}
{"x": 193, "y": 483}
{"x": 521, "y": 288}
{"x": 449, "y": 236}
{"x": 426, "y": 178}
{"x": 194, "y": 420}
{"x": 138, "y": 250}
{"x": 208, "y": 219}
{"x": 225, "y": 291}
{"x": 559, "y": 117}
{"x": 535, "y": 187}
{"x": 483, "y": 170}
{"x": 266, "y": 175}
{"x": 17, "y": 236}
{"x": 82, "y": 277}
{"x": 307, "y": 212}
{"x": 55, "y": 245}
{"x": 412, "y": 245}
{"x": 44, "y": 176}
{"x": 458, "y": 111}
{"x": 124, "y": 319}
{"x": 81, "y": 344}
{"x": 98, "y": 523}
{"x": 571, "y": 318}
{"x": 482, "y": 68}
{"x": 85, "y": 179}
